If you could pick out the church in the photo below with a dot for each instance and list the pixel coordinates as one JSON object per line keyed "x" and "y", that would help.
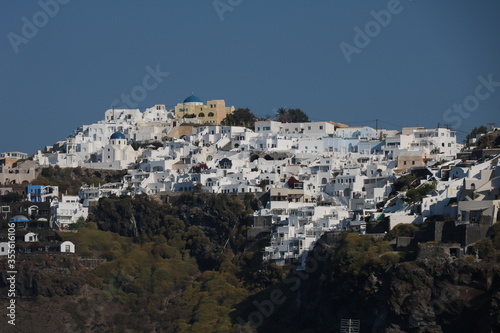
{"x": 193, "y": 110}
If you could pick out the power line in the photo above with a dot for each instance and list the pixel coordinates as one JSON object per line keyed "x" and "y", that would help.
{"x": 360, "y": 122}
{"x": 388, "y": 123}
{"x": 126, "y": 107}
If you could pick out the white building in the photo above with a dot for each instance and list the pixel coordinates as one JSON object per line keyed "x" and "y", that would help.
{"x": 67, "y": 247}
{"x": 31, "y": 237}
{"x": 4, "y": 248}
{"x": 67, "y": 211}
{"x": 440, "y": 142}
{"x": 317, "y": 128}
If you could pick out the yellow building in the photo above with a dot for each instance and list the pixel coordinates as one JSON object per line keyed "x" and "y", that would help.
{"x": 193, "y": 108}
{"x": 411, "y": 159}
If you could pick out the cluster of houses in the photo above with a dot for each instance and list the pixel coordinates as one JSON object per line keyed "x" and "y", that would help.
{"x": 312, "y": 177}
{"x": 29, "y": 224}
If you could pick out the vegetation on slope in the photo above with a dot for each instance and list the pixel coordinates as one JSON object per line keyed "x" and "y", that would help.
{"x": 179, "y": 265}
{"x": 70, "y": 180}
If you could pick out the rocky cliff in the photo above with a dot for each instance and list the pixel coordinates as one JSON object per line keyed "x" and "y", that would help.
{"x": 432, "y": 295}
{"x": 178, "y": 264}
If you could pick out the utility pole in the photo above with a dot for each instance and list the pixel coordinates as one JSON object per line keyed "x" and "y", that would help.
{"x": 349, "y": 326}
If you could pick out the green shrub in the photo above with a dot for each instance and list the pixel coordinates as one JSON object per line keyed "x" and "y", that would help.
{"x": 401, "y": 230}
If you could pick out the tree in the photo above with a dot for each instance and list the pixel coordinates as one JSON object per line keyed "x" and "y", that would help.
{"x": 198, "y": 187}
{"x": 240, "y": 117}
{"x": 489, "y": 140}
{"x": 475, "y": 131}
{"x": 485, "y": 249}
{"x": 291, "y": 116}
{"x": 415, "y": 195}
{"x": 401, "y": 230}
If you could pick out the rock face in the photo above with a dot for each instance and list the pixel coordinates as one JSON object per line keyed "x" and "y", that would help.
{"x": 45, "y": 275}
{"x": 218, "y": 218}
{"x": 414, "y": 296}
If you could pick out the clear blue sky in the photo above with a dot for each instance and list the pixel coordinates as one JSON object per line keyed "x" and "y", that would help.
{"x": 262, "y": 55}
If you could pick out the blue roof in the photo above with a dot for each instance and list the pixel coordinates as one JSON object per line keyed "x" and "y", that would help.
{"x": 192, "y": 99}
{"x": 117, "y": 135}
{"x": 19, "y": 218}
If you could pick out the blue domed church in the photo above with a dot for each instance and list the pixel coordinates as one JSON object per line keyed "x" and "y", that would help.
{"x": 118, "y": 154}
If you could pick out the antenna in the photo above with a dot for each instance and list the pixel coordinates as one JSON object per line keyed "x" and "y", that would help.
{"x": 349, "y": 326}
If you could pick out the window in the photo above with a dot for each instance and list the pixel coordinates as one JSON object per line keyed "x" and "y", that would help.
{"x": 201, "y": 115}
{"x": 68, "y": 248}
{"x": 321, "y": 127}
{"x": 211, "y": 114}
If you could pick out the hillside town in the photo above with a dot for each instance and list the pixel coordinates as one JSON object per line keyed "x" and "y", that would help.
{"x": 310, "y": 177}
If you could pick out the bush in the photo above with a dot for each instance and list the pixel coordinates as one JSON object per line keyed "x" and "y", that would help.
{"x": 401, "y": 230}
{"x": 357, "y": 252}
{"x": 485, "y": 249}
{"x": 415, "y": 195}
